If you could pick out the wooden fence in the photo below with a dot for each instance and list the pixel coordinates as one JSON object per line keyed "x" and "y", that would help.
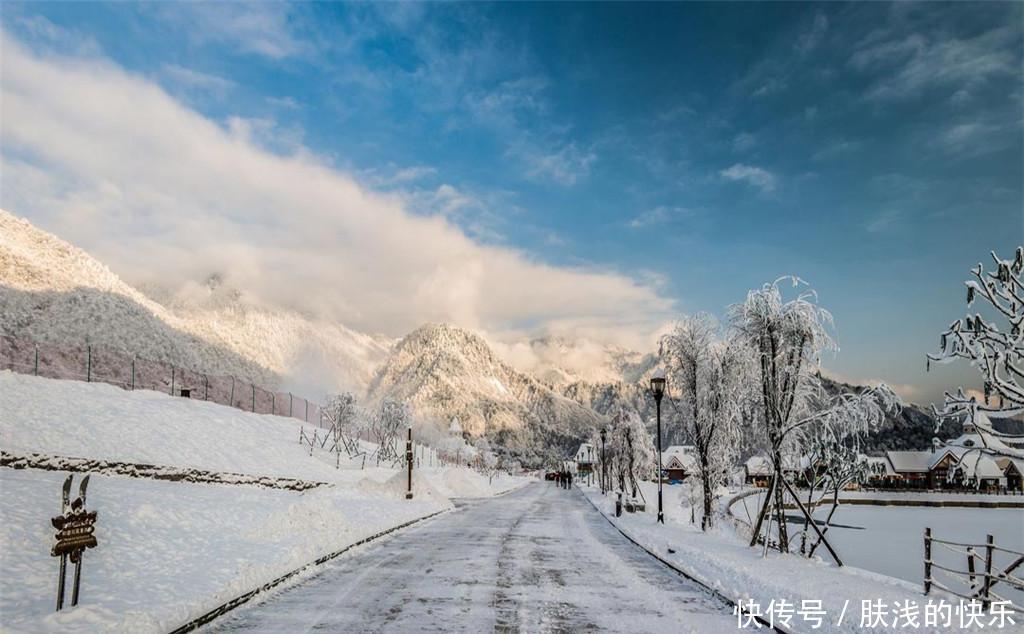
{"x": 984, "y": 570}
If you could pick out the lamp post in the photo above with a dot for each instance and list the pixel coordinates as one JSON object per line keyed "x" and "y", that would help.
{"x": 603, "y": 467}
{"x": 658, "y": 390}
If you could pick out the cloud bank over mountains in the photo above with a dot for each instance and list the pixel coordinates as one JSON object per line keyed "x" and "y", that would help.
{"x": 113, "y": 163}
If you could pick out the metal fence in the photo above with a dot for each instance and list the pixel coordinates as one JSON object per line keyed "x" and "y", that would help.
{"x": 101, "y": 364}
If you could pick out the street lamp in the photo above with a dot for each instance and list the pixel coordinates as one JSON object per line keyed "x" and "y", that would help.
{"x": 604, "y": 469}
{"x": 658, "y": 389}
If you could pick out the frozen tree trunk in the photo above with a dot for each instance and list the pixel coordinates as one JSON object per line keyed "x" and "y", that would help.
{"x": 705, "y": 521}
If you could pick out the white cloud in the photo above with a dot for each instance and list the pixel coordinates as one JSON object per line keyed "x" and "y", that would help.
{"x": 659, "y": 215}
{"x": 113, "y": 163}
{"x": 770, "y": 86}
{"x": 191, "y": 78}
{"x": 751, "y": 175}
{"x": 813, "y": 35}
{"x": 564, "y": 166}
{"x": 836, "y": 148}
{"x": 259, "y": 28}
{"x": 288, "y": 103}
{"x": 743, "y": 142}
{"x": 908, "y": 66}
{"x": 450, "y": 200}
{"x": 884, "y": 221}
{"x": 394, "y": 175}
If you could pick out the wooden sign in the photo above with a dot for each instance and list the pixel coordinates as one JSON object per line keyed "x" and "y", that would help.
{"x": 75, "y": 533}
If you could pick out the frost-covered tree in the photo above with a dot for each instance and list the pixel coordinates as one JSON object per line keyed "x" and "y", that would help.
{"x": 629, "y": 450}
{"x": 710, "y": 376}
{"x": 392, "y": 417}
{"x": 787, "y": 337}
{"x": 830, "y": 440}
{"x": 996, "y": 350}
{"x": 345, "y": 419}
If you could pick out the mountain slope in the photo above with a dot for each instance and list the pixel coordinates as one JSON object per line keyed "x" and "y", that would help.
{"x": 53, "y": 292}
{"x": 445, "y": 372}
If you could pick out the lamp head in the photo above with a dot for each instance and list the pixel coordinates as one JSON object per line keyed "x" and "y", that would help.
{"x": 658, "y": 383}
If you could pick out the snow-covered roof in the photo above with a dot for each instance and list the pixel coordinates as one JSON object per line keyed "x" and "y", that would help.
{"x": 975, "y": 464}
{"x": 681, "y": 449}
{"x": 909, "y": 461}
{"x": 761, "y": 466}
{"x": 758, "y": 466}
{"x": 1018, "y": 464}
{"x": 676, "y": 460}
{"x": 585, "y": 453}
{"x": 985, "y": 440}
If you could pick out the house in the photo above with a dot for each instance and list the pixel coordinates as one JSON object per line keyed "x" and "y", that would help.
{"x": 961, "y": 463}
{"x": 678, "y": 462}
{"x": 1013, "y": 471}
{"x": 586, "y": 459}
{"x": 910, "y": 468}
{"x": 757, "y": 471}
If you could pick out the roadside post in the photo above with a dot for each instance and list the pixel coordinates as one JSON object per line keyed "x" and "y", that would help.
{"x": 408, "y": 462}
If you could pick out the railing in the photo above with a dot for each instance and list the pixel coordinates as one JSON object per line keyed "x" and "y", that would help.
{"x": 975, "y": 583}
{"x": 100, "y": 364}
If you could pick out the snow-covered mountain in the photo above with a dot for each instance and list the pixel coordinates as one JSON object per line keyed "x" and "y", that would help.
{"x": 51, "y": 291}
{"x": 446, "y": 372}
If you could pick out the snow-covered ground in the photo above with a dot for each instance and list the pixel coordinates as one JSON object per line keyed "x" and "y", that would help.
{"x": 950, "y": 498}
{"x": 890, "y": 539}
{"x": 724, "y": 562}
{"x": 171, "y": 551}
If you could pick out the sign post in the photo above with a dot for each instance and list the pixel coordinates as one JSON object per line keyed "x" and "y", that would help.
{"x": 408, "y": 462}
{"x": 75, "y": 527}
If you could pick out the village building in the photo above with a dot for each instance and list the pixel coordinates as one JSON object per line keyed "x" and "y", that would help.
{"x": 585, "y": 460}
{"x": 757, "y": 470}
{"x": 974, "y": 460}
{"x": 678, "y": 462}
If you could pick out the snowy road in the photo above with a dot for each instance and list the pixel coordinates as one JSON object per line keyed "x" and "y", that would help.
{"x": 540, "y": 559}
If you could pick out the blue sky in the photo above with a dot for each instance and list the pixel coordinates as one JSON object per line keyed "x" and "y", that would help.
{"x": 676, "y": 154}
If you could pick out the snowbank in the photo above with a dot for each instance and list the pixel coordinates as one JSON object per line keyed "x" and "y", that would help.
{"x": 94, "y": 420}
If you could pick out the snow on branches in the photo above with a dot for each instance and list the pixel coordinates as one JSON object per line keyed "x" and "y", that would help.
{"x": 629, "y": 452}
{"x": 787, "y": 337}
{"x": 710, "y": 373}
{"x": 998, "y": 354}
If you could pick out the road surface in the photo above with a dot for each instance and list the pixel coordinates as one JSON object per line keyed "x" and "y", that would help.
{"x": 539, "y": 559}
